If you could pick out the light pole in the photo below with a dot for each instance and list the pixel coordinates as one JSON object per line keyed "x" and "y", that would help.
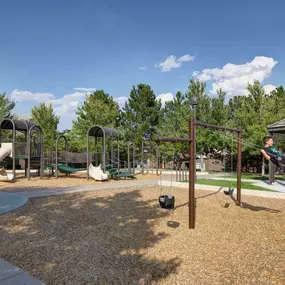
{"x": 194, "y": 104}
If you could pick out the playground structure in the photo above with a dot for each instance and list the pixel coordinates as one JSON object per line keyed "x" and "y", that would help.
{"x": 95, "y": 172}
{"x": 192, "y": 160}
{"x": 104, "y": 133}
{"x": 277, "y": 130}
{"x": 99, "y": 165}
{"x": 114, "y": 165}
{"x": 30, "y": 151}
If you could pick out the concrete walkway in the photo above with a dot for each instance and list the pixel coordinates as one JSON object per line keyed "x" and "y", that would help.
{"x": 11, "y": 201}
{"x": 79, "y": 189}
{"x": 278, "y": 185}
{"x": 12, "y": 275}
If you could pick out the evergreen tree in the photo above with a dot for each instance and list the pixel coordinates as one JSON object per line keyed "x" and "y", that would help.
{"x": 99, "y": 108}
{"x": 141, "y": 114}
{"x": 6, "y": 107}
{"x": 44, "y": 116}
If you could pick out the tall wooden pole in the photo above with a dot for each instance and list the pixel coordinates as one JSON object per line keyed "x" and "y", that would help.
{"x": 192, "y": 160}
{"x": 239, "y": 168}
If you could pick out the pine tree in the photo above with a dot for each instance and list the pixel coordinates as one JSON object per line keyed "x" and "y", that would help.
{"x": 6, "y": 107}
{"x": 44, "y": 116}
{"x": 141, "y": 114}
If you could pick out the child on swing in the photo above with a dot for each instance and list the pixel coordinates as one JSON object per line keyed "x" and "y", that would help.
{"x": 270, "y": 153}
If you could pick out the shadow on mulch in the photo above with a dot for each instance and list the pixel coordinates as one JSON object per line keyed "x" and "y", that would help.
{"x": 243, "y": 204}
{"x": 84, "y": 239}
{"x": 255, "y": 208}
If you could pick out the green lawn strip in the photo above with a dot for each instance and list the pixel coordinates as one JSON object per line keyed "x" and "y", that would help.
{"x": 253, "y": 176}
{"x": 225, "y": 183}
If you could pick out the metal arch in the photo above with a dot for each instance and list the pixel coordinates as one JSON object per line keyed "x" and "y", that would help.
{"x": 110, "y": 132}
{"x": 106, "y": 132}
{"x": 103, "y": 144}
{"x": 13, "y": 144}
{"x": 56, "y": 152}
{"x": 15, "y": 122}
{"x": 131, "y": 144}
{"x": 87, "y": 161}
{"x": 104, "y": 152}
{"x": 27, "y": 127}
{"x": 7, "y": 119}
{"x": 37, "y": 128}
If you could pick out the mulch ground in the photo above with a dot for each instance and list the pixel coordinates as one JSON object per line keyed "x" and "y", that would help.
{"x": 121, "y": 237}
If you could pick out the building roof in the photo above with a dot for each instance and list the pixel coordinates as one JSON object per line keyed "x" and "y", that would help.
{"x": 277, "y": 127}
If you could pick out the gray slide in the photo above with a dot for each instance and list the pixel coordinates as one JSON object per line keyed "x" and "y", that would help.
{"x": 5, "y": 151}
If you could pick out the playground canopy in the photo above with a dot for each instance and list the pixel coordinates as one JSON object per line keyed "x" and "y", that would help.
{"x": 101, "y": 132}
{"x": 27, "y": 127}
{"x": 98, "y": 131}
{"x": 17, "y": 125}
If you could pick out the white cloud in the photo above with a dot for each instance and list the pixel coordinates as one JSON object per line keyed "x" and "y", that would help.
{"x": 82, "y": 89}
{"x": 64, "y": 106}
{"x": 269, "y": 88}
{"x": 171, "y": 62}
{"x": 69, "y": 98}
{"x": 186, "y": 57}
{"x": 233, "y": 78}
{"x": 121, "y": 101}
{"x": 142, "y": 68}
{"x": 164, "y": 97}
{"x": 21, "y": 95}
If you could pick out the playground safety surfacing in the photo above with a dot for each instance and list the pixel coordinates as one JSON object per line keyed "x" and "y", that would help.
{"x": 11, "y": 201}
{"x": 121, "y": 236}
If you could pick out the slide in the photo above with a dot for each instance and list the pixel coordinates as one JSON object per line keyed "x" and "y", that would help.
{"x": 63, "y": 168}
{"x": 4, "y": 152}
{"x": 97, "y": 173}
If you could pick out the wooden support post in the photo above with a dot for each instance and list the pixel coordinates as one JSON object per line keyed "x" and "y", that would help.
{"x": 239, "y": 168}
{"x": 192, "y": 161}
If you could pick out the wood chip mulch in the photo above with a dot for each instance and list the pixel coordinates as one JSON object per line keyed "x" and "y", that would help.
{"x": 120, "y": 236}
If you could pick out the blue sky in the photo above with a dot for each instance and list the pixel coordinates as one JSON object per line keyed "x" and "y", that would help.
{"x": 51, "y": 47}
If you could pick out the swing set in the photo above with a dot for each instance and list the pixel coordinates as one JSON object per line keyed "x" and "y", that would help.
{"x": 167, "y": 201}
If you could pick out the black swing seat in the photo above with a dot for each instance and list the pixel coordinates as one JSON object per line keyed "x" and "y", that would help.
{"x": 166, "y": 202}
{"x": 230, "y": 191}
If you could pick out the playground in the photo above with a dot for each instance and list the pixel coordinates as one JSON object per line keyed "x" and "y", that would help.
{"x": 108, "y": 224}
{"x": 120, "y": 236}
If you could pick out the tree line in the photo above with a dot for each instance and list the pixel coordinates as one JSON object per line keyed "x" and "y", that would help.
{"x": 144, "y": 116}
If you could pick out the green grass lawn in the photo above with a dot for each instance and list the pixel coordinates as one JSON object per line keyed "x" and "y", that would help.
{"x": 227, "y": 183}
{"x": 254, "y": 176}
